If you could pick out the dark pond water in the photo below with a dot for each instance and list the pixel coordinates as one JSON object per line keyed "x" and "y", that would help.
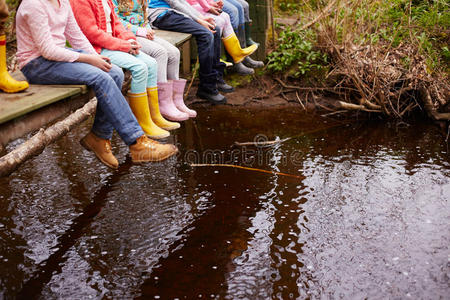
{"x": 367, "y": 215}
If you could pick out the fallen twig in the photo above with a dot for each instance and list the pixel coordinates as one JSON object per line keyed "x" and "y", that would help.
{"x": 249, "y": 169}
{"x": 260, "y": 144}
{"x": 197, "y": 64}
{"x": 40, "y": 140}
{"x": 300, "y": 101}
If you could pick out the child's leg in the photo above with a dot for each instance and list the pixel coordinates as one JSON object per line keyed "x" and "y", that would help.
{"x": 159, "y": 53}
{"x": 143, "y": 75}
{"x": 112, "y": 108}
{"x": 240, "y": 9}
{"x": 246, "y": 8}
{"x": 227, "y": 29}
{"x": 160, "y": 105}
{"x": 152, "y": 68}
{"x": 233, "y": 13}
{"x": 205, "y": 45}
{"x": 140, "y": 75}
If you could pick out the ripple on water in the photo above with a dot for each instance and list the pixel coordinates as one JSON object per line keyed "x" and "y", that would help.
{"x": 370, "y": 219}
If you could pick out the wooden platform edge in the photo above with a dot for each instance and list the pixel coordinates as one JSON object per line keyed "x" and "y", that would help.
{"x": 35, "y": 120}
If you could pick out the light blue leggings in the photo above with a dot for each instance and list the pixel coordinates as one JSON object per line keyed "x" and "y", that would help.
{"x": 143, "y": 68}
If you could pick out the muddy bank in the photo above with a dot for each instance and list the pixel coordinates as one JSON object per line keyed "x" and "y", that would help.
{"x": 251, "y": 91}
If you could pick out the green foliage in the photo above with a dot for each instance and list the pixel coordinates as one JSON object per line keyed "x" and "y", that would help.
{"x": 289, "y": 6}
{"x": 389, "y": 24}
{"x": 12, "y": 5}
{"x": 296, "y": 54}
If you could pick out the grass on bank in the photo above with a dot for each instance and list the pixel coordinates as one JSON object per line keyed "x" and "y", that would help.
{"x": 425, "y": 24}
{"x": 389, "y": 57}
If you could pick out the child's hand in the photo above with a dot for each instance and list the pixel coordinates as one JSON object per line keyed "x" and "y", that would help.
{"x": 150, "y": 34}
{"x": 219, "y": 4}
{"x": 99, "y": 61}
{"x": 215, "y": 10}
{"x": 205, "y": 22}
{"x": 211, "y": 22}
{"x": 134, "y": 47}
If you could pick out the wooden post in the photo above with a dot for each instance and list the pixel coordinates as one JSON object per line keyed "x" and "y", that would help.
{"x": 259, "y": 15}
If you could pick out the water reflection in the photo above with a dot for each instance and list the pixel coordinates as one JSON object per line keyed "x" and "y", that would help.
{"x": 370, "y": 219}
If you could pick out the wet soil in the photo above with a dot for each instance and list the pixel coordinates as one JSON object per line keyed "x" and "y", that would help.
{"x": 367, "y": 215}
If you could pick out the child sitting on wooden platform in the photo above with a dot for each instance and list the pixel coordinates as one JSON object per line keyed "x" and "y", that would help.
{"x": 42, "y": 28}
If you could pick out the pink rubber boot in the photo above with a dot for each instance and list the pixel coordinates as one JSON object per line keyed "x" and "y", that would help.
{"x": 178, "y": 90}
{"x": 166, "y": 105}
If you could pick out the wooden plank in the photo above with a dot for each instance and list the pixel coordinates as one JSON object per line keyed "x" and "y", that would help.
{"x": 36, "y": 96}
{"x": 19, "y": 76}
{"x": 34, "y": 120}
{"x": 175, "y": 38}
{"x": 186, "y": 57}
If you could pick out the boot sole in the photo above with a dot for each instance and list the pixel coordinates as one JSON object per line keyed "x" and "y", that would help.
{"x": 169, "y": 128}
{"x": 175, "y": 120}
{"x": 158, "y": 137}
{"x": 212, "y": 101}
{"x": 88, "y": 148}
{"x": 13, "y": 91}
{"x": 155, "y": 160}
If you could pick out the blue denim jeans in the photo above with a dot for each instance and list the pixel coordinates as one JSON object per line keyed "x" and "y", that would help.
{"x": 113, "y": 111}
{"x": 208, "y": 46}
{"x": 143, "y": 68}
{"x": 236, "y": 12}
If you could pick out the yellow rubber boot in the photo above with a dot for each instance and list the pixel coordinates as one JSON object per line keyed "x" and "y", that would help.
{"x": 156, "y": 114}
{"x": 233, "y": 48}
{"x": 139, "y": 104}
{"x": 7, "y": 83}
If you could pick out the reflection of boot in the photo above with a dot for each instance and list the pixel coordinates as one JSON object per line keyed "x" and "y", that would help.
{"x": 233, "y": 47}
{"x": 145, "y": 150}
{"x": 248, "y": 35}
{"x": 101, "y": 149}
{"x": 155, "y": 114}
{"x": 251, "y": 63}
{"x": 178, "y": 90}
{"x": 139, "y": 104}
{"x": 7, "y": 83}
{"x": 166, "y": 105}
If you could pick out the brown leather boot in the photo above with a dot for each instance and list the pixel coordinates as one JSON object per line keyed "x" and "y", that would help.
{"x": 101, "y": 148}
{"x": 146, "y": 150}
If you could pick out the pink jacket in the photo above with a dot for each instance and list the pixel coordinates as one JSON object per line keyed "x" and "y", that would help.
{"x": 204, "y": 4}
{"x": 42, "y": 30}
{"x": 90, "y": 15}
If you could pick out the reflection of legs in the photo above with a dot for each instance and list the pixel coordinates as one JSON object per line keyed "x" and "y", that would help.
{"x": 143, "y": 75}
{"x": 7, "y": 83}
